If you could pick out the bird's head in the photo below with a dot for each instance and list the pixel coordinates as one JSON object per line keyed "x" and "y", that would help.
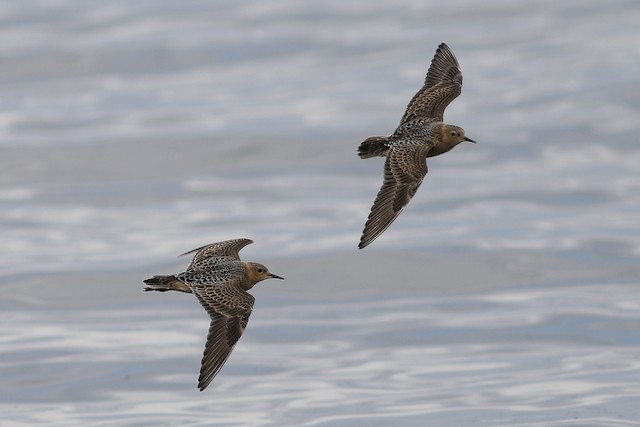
{"x": 454, "y": 135}
{"x": 258, "y": 272}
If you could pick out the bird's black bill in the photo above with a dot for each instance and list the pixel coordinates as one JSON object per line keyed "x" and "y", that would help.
{"x": 275, "y": 276}
{"x": 470, "y": 140}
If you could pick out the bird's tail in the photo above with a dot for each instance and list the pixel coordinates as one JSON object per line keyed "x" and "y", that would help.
{"x": 165, "y": 283}
{"x": 373, "y": 146}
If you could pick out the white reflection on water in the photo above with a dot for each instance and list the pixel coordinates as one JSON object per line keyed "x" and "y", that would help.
{"x": 501, "y": 358}
{"x": 122, "y": 128}
{"x": 118, "y": 120}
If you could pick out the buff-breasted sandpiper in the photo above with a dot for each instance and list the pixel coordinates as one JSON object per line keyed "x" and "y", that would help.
{"x": 421, "y": 134}
{"x": 220, "y": 281}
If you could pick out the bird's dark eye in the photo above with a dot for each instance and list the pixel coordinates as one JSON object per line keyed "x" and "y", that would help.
{"x": 454, "y": 133}
{"x": 260, "y": 270}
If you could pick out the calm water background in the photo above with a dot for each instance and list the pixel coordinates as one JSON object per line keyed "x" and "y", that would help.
{"x": 505, "y": 295}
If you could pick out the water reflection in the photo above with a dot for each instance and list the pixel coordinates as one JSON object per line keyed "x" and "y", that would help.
{"x": 507, "y": 354}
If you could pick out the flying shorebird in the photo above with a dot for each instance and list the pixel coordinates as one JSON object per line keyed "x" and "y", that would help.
{"x": 421, "y": 134}
{"x": 220, "y": 281}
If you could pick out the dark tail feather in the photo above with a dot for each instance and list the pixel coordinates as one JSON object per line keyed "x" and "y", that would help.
{"x": 373, "y": 146}
{"x": 165, "y": 283}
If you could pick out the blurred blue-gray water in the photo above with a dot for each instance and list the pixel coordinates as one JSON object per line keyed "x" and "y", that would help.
{"x": 506, "y": 294}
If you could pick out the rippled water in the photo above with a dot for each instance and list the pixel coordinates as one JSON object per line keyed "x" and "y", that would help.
{"x": 529, "y": 356}
{"x": 505, "y": 295}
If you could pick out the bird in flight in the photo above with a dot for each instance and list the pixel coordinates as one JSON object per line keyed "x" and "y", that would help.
{"x": 220, "y": 281}
{"x": 422, "y": 133}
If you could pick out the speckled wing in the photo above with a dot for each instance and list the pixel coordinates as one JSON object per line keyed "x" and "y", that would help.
{"x": 441, "y": 86}
{"x": 404, "y": 171}
{"x": 229, "y": 307}
{"x": 230, "y": 248}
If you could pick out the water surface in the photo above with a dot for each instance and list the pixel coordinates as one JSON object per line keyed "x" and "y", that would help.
{"x": 505, "y": 295}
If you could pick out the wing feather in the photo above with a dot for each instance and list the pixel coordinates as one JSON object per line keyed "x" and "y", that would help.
{"x": 230, "y": 248}
{"x": 404, "y": 170}
{"x": 442, "y": 85}
{"x": 229, "y": 307}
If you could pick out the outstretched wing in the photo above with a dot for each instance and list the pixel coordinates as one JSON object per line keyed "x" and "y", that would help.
{"x": 441, "y": 86}
{"x": 229, "y": 307}
{"x": 230, "y": 248}
{"x": 404, "y": 171}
